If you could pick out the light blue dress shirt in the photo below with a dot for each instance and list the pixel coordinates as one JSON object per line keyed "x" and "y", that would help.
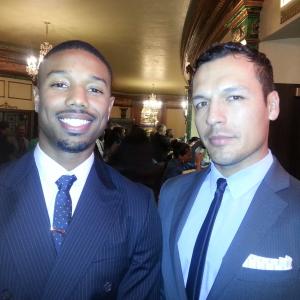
{"x": 237, "y": 198}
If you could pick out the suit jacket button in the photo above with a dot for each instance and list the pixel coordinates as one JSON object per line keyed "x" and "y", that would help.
{"x": 107, "y": 287}
{"x": 6, "y": 295}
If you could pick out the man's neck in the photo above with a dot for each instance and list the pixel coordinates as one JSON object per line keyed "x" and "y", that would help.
{"x": 68, "y": 160}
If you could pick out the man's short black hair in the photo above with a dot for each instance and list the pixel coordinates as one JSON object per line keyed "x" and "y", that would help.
{"x": 262, "y": 64}
{"x": 80, "y": 45}
{"x": 180, "y": 149}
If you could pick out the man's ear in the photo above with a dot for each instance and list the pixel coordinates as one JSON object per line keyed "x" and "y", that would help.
{"x": 273, "y": 105}
{"x": 36, "y": 97}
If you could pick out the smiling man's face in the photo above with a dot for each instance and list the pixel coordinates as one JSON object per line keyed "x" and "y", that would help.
{"x": 73, "y": 102}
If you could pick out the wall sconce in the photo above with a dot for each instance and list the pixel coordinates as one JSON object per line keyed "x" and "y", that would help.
{"x": 184, "y": 105}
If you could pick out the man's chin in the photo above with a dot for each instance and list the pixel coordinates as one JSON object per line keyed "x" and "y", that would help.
{"x": 73, "y": 148}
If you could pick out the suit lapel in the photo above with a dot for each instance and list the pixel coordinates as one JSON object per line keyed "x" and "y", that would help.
{"x": 263, "y": 212}
{"x": 182, "y": 209}
{"x": 90, "y": 228}
{"x": 28, "y": 230}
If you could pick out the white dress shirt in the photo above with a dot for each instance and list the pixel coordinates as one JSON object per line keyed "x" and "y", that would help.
{"x": 237, "y": 198}
{"x": 49, "y": 171}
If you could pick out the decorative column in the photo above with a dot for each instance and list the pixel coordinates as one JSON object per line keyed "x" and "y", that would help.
{"x": 189, "y": 72}
{"x": 244, "y": 22}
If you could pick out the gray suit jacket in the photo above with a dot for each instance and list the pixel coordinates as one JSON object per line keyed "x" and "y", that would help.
{"x": 112, "y": 248}
{"x": 270, "y": 228}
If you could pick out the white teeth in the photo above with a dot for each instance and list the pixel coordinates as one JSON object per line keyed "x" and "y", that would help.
{"x": 75, "y": 122}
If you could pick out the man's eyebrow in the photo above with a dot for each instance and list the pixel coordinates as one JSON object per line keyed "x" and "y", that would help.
{"x": 199, "y": 97}
{"x": 99, "y": 79}
{"x": 55, "y": 72}
{"x": 234, "y": 89}
{"x": 61, "y": 72}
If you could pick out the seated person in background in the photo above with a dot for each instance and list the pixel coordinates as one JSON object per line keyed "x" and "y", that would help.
{"x": 112, "y": 140}
{"x": 21, "y": 142}
{"x": 199, "y": 152}
{"x": 169, "y": 134}
{"x": 182, "y": 161}
{"x": 133, "y": 159}
{"x": 6, "y": 148}
{"x": 99, "y": 147}
{"x": 161, "y": 144}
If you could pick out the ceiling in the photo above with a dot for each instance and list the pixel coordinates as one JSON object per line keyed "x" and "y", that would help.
{"x": 140, "y": 38}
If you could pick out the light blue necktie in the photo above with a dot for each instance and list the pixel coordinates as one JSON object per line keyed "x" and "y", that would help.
{"x": 62, "y": 210}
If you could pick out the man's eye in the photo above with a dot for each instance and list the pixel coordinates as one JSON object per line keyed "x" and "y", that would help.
{"x": 59, "y": 85}
{"x": 235, "y": 98}
{"x": 95, "y": 91}
{"x": 201, "y": 104}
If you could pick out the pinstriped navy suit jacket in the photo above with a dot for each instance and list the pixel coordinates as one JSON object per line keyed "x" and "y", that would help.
{"x": 270, "y": 229}
{"x": 112, "y": 248}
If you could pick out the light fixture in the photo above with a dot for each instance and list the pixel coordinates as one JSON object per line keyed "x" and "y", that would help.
{"x": 243, "y": 42}
{"x": 284, "y": 2}
{"x": 33, "y": 63}
{"x": 150, "y": 111}
{"x": 152, "y": 102}
{"x": 184, "y": 105}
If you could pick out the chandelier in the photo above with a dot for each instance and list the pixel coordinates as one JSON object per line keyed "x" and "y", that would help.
{"x": 151, "y": 109}
{"x": 33, "y": 63}
{"x": 152, "y": 103}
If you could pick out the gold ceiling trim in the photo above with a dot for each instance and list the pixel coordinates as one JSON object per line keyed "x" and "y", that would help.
{"x": 207, "y": 23}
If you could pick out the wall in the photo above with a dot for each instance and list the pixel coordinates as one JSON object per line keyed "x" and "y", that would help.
{"x": 16, "y": 93}
{"x": 270, "y": 19}
{"x": 116, "y": 112}
{"x": 285, "y": 57}
{"x": 281, "y": 43}
{"x": 194, "y": 131}
{"x": 171, "y": 112}
{"x": 175, "y": 120}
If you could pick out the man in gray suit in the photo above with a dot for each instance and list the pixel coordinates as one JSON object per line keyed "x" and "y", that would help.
{"x": 247, "y": 246}
{"x": 70, "y": 226}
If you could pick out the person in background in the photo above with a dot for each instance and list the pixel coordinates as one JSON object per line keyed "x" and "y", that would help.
{"x": 232, "y": 230}
{"x": 112, "y": 140}
{"x": 133, "y": 159}
{"x": 169, "y": 134}
{"x": 7, "y": 149}
{"x": 181, "y": 161}
{"x": 161, "y": 144}
{"x": 71, "y": 227}
{"x": 199, "y": 152}
{"x": 20, "y": 141}
{"x": 99, "y": 147}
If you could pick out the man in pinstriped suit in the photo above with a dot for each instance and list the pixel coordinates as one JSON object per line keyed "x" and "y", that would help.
{"x": 112, "y": 246}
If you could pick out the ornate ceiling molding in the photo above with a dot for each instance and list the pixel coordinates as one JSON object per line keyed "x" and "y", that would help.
{"x": 208, "y": 22}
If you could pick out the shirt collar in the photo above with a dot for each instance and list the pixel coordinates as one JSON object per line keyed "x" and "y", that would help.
{"x": 242, "y": 181}
{"x": 50, "y": 170}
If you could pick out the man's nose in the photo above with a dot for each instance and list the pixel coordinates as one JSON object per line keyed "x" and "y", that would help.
{"x": 216, "y": 113}
{"x": 77, "y": 97}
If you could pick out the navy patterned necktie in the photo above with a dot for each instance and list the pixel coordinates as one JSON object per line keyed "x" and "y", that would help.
{"x": 196, "y": 270}
{"x": 63, "y": 209}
